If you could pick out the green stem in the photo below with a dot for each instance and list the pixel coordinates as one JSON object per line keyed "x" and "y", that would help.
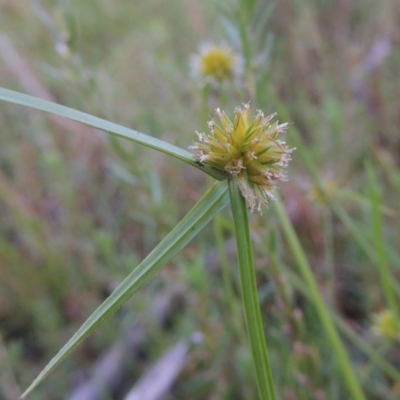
{"x": 329, "y": 253}
{"x": 250, "y": 295}
{"x": 379, "y": 244}
{"x": 204, "y": 111}
{"x": 324, "y": 315}
{"x": 360, "y": 343}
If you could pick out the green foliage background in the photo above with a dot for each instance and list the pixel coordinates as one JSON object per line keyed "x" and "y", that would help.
{"x": 79, "y": 209}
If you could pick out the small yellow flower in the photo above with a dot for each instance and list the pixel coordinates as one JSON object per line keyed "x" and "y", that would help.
{"x": 215, "y": 64}
{"x": 385, "y": 325}
{"x": 248, "y": 150}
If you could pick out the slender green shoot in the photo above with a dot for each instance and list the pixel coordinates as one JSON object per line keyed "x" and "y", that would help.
{"x": 250, "y": 294}
{"x": 348, "y": 332}
{"x": 211, "y": 204}
{"x": 324, "y": 314}
{"x": 379, "y": 244}
{"x": 107, "y": 126}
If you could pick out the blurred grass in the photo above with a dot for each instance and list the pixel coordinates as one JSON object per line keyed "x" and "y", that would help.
{"x": 78, "y": 209}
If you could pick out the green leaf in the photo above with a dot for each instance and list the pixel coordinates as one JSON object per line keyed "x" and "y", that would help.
{"x": 110, "y": 127}
{"x": 378, "y": 241}
{"x": 349, "y": 375}
{"x": 208, "y": 206}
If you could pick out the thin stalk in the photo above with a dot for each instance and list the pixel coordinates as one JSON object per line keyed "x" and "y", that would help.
{"x": 250, "y": 295}
{"x": 329, "y": 252}
{"x": 359, "y": 235}
{"x": 360, "y": 343}
{"x": 204, "y": 111}
{"x": 324, "y": 314}
{"x": 379, "y": 244}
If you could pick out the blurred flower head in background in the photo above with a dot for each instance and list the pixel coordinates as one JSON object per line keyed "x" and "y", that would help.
{"x": 214, "y": 64}
{"x": 248, "y": 150}
{"x": 385, "y": 325}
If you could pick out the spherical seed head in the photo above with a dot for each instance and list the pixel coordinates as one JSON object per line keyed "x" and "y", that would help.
{"x": 248, "y": 150}
{"x": 385, "y": 325}
{"x": 215, "y": 64}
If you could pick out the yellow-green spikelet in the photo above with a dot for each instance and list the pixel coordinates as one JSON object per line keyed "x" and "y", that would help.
{"x": 248, "y": 150}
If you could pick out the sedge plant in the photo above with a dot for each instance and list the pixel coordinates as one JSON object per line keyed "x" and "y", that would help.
{"x": 248, "y": 25}
{"x": 212, "y": 67}
{"x": 248, "y": 158}
{"x": 245, "y": 152}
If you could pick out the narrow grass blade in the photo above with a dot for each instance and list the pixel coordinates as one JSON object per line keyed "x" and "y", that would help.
{"x": 348, "y": 332}
{"x": 305, "y": 270}
{"x": 107, "y": 126}
{"x": 379, "y": 243}
{"x": 361, "y": 236}
{"x": 251, "y": 304}
{"x": 209, "y": 206}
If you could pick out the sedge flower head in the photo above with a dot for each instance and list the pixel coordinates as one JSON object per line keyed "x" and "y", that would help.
{"x": 214, "y": 64}
{"x": 385, "y": 325}
{"x": 249, "y": 151}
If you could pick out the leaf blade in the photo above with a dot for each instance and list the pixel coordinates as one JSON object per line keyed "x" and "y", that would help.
{"x": 207, "y": 207}
{"x": 11, "y": 96}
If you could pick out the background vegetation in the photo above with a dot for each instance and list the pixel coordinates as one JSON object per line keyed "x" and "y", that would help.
{"x": 79, "y": 209}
